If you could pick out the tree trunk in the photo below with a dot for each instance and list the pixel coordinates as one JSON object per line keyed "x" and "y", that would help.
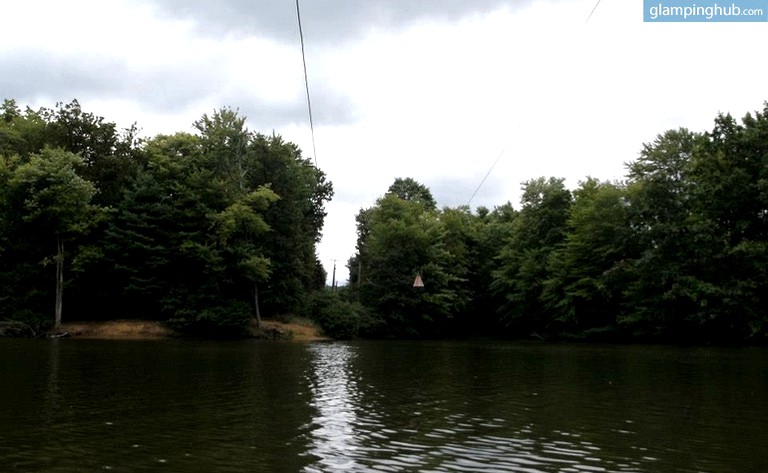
{"x": 256, "y": 303}
{"x": 59, "y": 280}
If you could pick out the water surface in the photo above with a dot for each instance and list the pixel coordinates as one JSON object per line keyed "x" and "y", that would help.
{"x": 251, "y": 406}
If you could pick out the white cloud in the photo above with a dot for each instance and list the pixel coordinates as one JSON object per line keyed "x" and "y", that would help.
{"x": 431, "y": 96}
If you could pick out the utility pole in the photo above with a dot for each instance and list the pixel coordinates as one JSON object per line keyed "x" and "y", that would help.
{"x": 333, "y": 280}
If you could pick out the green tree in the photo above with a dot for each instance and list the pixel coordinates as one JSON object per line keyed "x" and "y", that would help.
{"x": 296, "y": 221}
{"x": 464, "y": 263}
{"x": 523, "y": 261}
{"x": 355, "y": 262}
{"x": 225, "y": 144}
{"x": 54, "y": 202}
{"x": 666, "y": 284}
{"x": 219, "y": 203}
{"x": 494, "y": 228}
{"x": 108, "y": 162}
{"x": 21, "y": 133}
{"x": 336, "y": 315}
{"x": 107, "y": 153}
{"x": 588, "y": 270}
{"x": 411, "y": 190}
{"x": 6, "y": 218}
{"x": 192, "y": 231}
{"x": 247, "y": 161}
{"x": 730, "y": 227}
{"x": 403, "y": 238}
{"x": 178, "y": 241}
{"x": 241, "y": 226}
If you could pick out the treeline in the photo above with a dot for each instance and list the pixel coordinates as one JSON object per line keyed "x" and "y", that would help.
{"x": 198, "y": 230}
{"x": 678, "y": 252}
{"x": 206, "y": 231}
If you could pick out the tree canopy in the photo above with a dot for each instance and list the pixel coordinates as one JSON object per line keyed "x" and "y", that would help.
{"x": 676, "y": 252}
{"x": 207, "y": 231}
{"x": 186, "y": 228}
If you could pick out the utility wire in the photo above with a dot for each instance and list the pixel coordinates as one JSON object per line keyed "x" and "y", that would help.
{"x": 505, "y": 148}
{"x": 490, "y": 170}
{"x": 306, "y": 82}
{"x": 593, "y": 11}
{"x": 486, "y": 176}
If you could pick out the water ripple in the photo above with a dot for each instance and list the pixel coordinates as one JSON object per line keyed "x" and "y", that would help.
{"x": 390, "y": 407}
{"x": 353, "y": 431}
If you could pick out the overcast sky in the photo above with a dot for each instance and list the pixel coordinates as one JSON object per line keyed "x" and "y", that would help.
{"x": 428, "y": 89}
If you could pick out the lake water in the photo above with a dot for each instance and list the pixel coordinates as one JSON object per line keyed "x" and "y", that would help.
{"x": 254, "y": 406}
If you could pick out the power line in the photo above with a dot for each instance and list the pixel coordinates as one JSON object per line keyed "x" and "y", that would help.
{"x": 498, "y": 158}
{"x": 593, "y": 11}
{"x": 486, "y": 176}
{"x": 505, "y": 148}
{"x": 306, "y": 82}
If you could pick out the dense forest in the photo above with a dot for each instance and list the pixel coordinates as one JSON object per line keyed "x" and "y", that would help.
{"x": 677, "y": 252}
{"x": 197, "y": 230}
{"x": 206, "y": 231}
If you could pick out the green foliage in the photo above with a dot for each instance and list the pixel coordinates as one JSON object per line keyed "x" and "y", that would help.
{"x": 587, "y": 271}
{"x": 196, "y": 224}
{"x": 666, "y": 279}
{"x": 227, "y": 320}
{"x": 197, "y": 239}
{"x": 404, "y": 238}
{"x": 244, "y": 161}
{"x": 523, "y": 269}
{"x": 107, "y": 155}
{"x": 337, "y": 317}
{"x": 494, "y": 230}
{"x": 21, "y": 133}
{"x": 452, "y": 250}
{"x": 48, "y": 204}
{"x": 54, "y": 198}
{"x": 296, "y": 220}
{"x": 729, "y": 224}
{"x": 413, "y": 191}
{"x": 201, "y": 230}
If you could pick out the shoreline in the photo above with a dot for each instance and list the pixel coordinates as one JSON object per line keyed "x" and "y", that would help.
{"x": 126, "y": 329}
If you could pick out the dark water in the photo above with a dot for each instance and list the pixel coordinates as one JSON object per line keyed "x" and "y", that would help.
{"x": 183, "y": 406}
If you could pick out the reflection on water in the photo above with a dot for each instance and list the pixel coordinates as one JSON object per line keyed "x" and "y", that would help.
{"x": 75, "y": 405}
{"x": 413, "y": 430}
{"x": 334, "y": 396}
{"x": 473, "y": 408}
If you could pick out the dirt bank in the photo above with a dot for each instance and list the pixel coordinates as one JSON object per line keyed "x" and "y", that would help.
{"x": 117, "y": 329}
{"x": 145, "y": 329}
{"x": 289, "y": 330}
